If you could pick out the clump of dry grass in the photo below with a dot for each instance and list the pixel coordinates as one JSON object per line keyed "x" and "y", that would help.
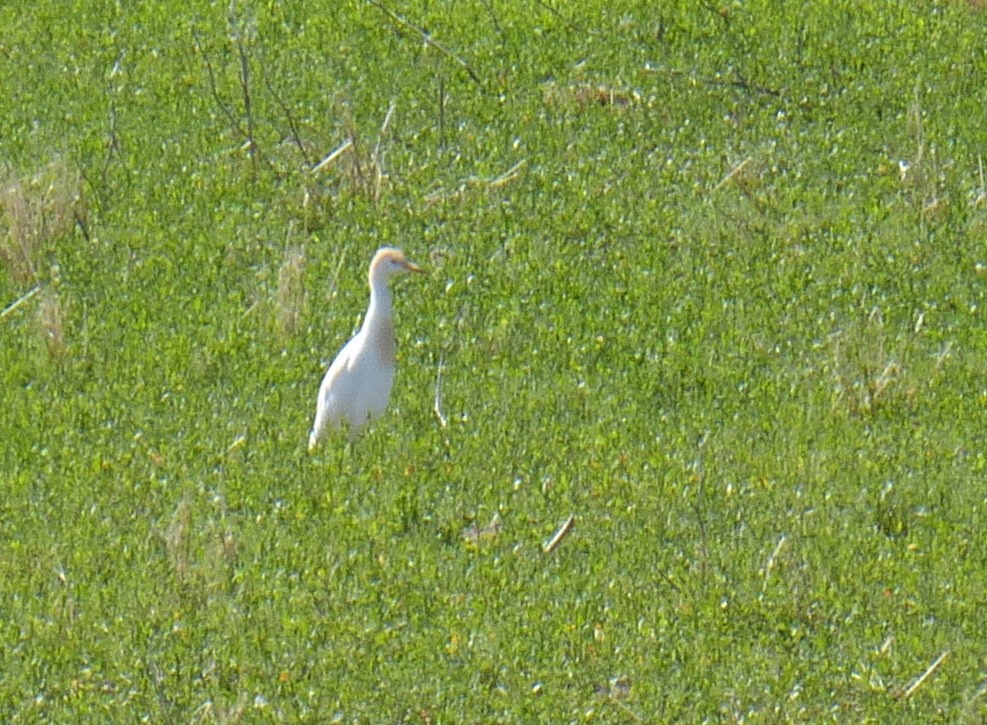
{"x": 35, "y": 209}
{"x": 921, "y": 173}
{"x": 589, "y": 94}
{"x": 202, "y": 551}
{"x": 367, "y": 169}
{"x": 290, "y": 299}
{"x": 866, "y": 373}
{"x": 176, "y": 538}
{"x": 360, "y": 163}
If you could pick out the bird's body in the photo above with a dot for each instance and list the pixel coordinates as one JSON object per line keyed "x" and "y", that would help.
{"x": 358, "y": 384}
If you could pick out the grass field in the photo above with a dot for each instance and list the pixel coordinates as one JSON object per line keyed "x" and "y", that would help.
{"x": 707, "y": 278}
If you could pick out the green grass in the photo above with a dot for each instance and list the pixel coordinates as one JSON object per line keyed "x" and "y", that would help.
{"x": 709, "y": 279}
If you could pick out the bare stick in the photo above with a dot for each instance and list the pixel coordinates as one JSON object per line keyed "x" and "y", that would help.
{"x": 925, "y": 675}
{"x": 556, "y": 539}
{"x": 20, "y": 301}
{"x": 428, "y": 39}
{"x": 437, "y": 407}
{"x": 292, "y": 124}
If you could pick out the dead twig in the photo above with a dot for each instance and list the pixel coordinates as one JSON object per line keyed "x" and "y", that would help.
{"x": 292, "y": 123}
{"x": 213, "y": 88}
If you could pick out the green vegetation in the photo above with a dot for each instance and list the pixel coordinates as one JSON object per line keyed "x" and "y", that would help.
{"x": 708, "y": 278}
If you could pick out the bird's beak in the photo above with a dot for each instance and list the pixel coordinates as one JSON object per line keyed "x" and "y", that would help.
{"x": 412, "y": 267}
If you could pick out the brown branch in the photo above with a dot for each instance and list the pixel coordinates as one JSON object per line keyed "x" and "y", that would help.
{"x": 429, "y": 40}
{"x": 213, "y": 89}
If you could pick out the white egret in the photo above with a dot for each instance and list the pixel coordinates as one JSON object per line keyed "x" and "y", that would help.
{"x": 358, "y": 384}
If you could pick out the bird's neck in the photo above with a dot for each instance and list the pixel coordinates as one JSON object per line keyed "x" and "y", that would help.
{"x": 380, "y": 304}
{"x": 379, "y": 324}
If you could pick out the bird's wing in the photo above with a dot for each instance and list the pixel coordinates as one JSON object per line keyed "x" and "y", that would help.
{"x": 328, "y": 414}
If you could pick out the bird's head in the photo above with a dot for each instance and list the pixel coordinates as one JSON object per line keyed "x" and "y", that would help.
{"x": 390, "y": 261}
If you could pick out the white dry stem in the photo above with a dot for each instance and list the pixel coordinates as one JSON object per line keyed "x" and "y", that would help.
{"x": 20, "y": 301}
{"x": 377, "y": 157}
{"x": 982, "y": 191}
{"x": 770, "y": 564}
{"x": 914, "y": 687}
{"x": 734, "y": 173}
{"x": 508, "y": 175}
{"x": 556, "y": 539}
{"x": 943, "y": 355}
{"x": 340, "y": 150}
{"x": 886, "y": 377}
{"x": 437, "y": 407}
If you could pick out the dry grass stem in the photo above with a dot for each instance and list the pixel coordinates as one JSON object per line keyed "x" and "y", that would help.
{"x": 20, "y": 301}
{"x": 735, "y": 173}
{"x": 377, "y": 152}
{"x": 921, "y": 680}
{"x": 982, "y": 189}
{"x": 339, "y": 151}
{"x": 366, "y": 170}
{"x": 557, "y": 537}
{"x": 440, "y": 195}
{"x": 508, "y": 175}
{"x": 475, "y": 533}
{"x": 770, "y": 564}
{"x": 437, "y": 407}
{"x": 290, "y": 299}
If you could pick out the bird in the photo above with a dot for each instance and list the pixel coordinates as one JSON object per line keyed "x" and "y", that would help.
{"x": 358, "y": 384}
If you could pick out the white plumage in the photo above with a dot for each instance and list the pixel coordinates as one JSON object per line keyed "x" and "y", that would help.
{"x": 358, "y": 384}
